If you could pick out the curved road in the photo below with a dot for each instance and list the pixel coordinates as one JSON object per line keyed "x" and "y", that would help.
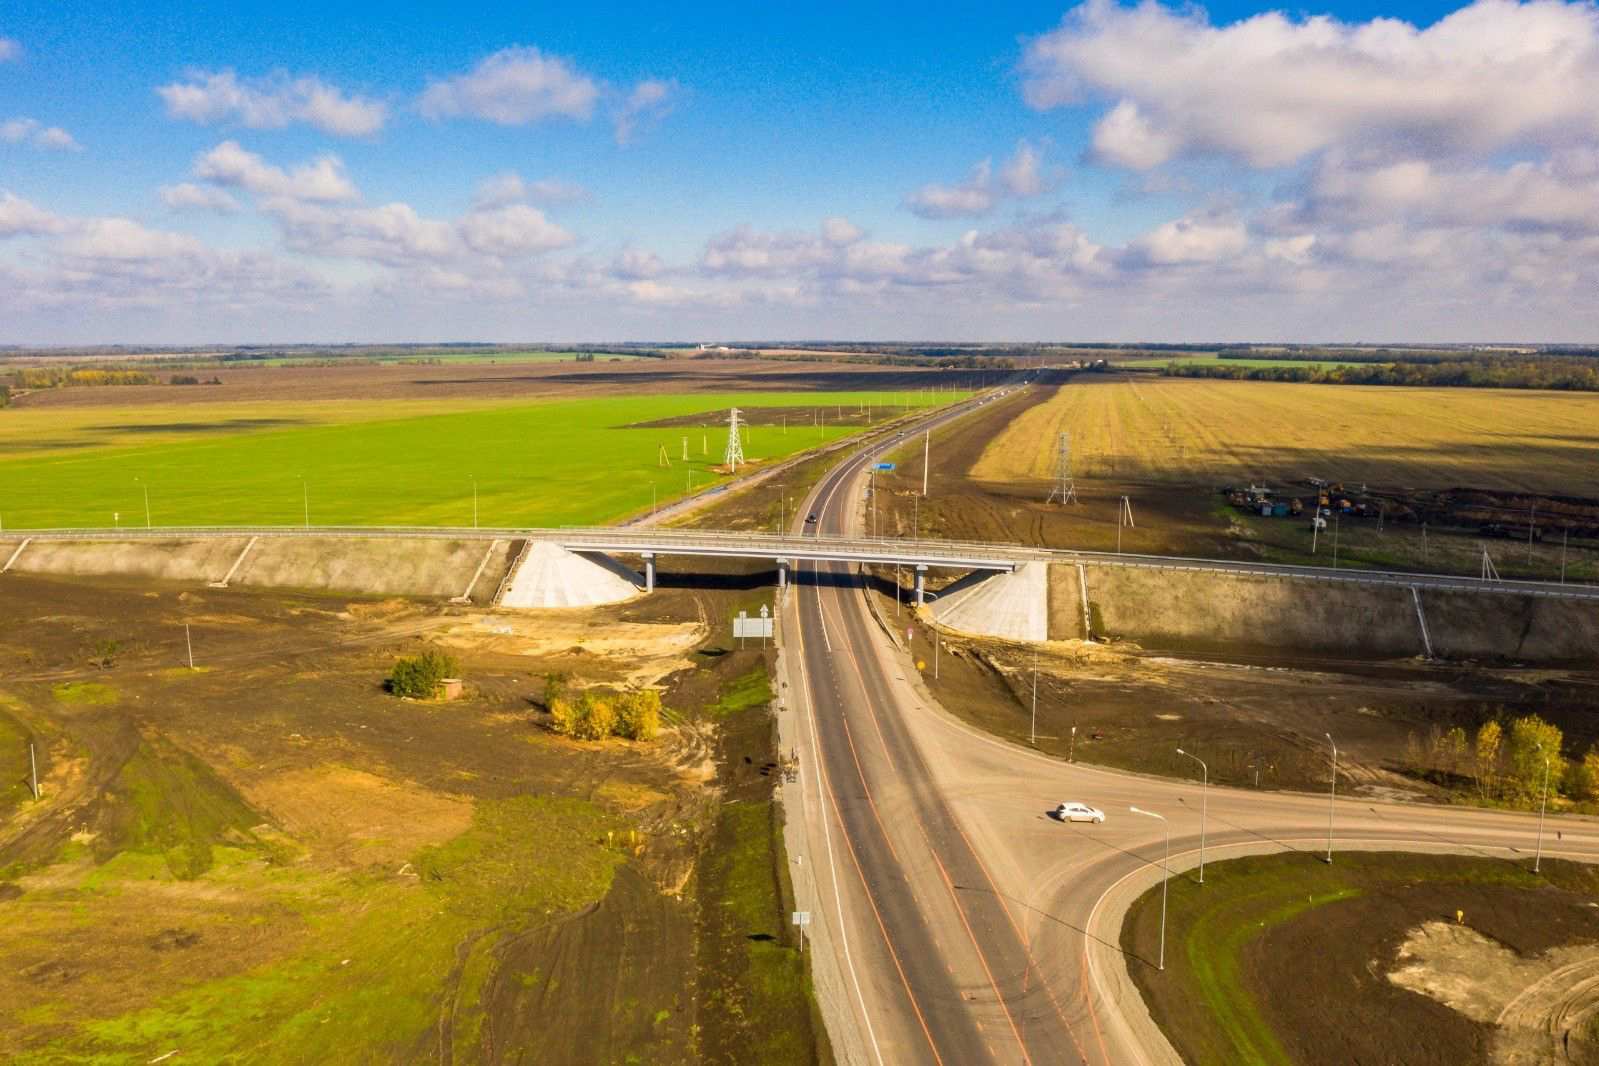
{"x": 953, "y": 921}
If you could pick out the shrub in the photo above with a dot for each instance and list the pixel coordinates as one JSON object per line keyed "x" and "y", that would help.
{"x": 1534, "y": 747}
{"x": 1582, "y": 780}
{"x": 596, "y": 717}
{"x": 638, "y": 714}
{"x": 563, "y": 715}
{"x": 557, "y": 685}
{"x": 418, "y": 676}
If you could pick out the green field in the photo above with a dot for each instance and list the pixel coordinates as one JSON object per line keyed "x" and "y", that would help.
{"x": 551, "y": 463}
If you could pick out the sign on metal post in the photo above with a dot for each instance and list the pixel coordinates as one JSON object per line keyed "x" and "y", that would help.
{"x": 745, "y": 626}
{"x": 802, "y": 919}
{"x": 885, "y": 466}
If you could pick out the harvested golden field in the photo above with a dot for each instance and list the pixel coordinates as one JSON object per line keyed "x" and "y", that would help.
{"x": 1214, "y": 432}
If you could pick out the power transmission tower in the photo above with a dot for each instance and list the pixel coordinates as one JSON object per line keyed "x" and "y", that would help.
{"x": 1124, "y": 518}
{"x": 1065, "y": 488}
{"x": 735, "y": 443}
{"x": 662, "y": 458}
{"x": 1489, "y": 571}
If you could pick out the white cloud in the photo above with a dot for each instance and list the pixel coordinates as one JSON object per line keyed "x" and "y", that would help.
{"x": 634, "y": 264}
{"x": 31, "y": 131}
{"x": 840, "y": 231}
{"x": 1192, "y": 240}
{"x": 514, "y": 87}
{"x": 649, "y": 102}
{"x": 1270, "y": 90}
{"x": 508, "y": 187}
{"x": 974, "y": 196}
{"x": 18, "y": 217}
{"x": 1022, "y": 177}
{"x": 187, "y": 196}
{"x": 323, "y": 179}
{"x": 9, "y": 50}
{"x": 272, "y": 102}
{"x": 123, "y": 239}
{"x": 511, "y": 231}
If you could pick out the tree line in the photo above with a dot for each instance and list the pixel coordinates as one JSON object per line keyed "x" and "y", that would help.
{"x": 1503, "y": 762}
{"x": 1567, "y": 373}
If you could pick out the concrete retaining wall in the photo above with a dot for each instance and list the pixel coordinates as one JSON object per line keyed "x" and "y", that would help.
{"x": 372, "y": 566}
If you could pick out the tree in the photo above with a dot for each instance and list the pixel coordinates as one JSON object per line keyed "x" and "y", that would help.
{"x": 418, "y": 676}
{"x": 1490, "y": 736}
{"x": 1534, "y": 745}
{"x": 5, "y": 395}
{"x": 1582, "y": 779}
{"x": 1454, "y": 750}
{"x": 638, "y": 714}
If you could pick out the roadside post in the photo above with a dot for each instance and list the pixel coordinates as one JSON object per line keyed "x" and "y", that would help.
{"x": 1332, "y": 795}
{"x": 800, "y": 920}
{"x": 1165, "y": 881}
{"x": 1543, "y": 802}
{"x": 1204, "y": 804}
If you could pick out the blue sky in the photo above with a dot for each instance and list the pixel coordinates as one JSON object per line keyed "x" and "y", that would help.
{"x": 170, "y": 173}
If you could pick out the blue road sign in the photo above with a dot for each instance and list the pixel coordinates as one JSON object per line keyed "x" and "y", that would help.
{"x": 885, "y": 466}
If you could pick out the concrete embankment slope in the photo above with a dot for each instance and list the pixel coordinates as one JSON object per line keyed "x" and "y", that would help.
{"x": 383, "y": 566}
{"x": 1218, "y": 612}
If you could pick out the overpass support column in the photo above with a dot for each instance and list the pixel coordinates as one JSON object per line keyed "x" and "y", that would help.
{"x": 649, "y": 571}
{"x": 782, "y": 574}
{"x": 921, "y": 583}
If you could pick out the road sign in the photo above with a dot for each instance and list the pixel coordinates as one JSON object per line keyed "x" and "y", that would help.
{"x": 745, "y": 626}
{"x": 885, "y": 466}
{"x": 801, "y": 918}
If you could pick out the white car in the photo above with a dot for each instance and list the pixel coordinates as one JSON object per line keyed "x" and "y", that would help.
{"x": 1079, "y": 812}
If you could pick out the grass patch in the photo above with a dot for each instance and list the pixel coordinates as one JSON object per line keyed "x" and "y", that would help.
{"x": 366, "y": 988}
{"x": 87, "y": 693}
{"x": 743, "y": 693}
{"x": 1234, "y": 945}
{"x": 556, "y": 462}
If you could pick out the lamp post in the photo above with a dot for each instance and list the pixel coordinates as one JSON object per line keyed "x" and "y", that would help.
{"x": 1033, "y": 729}
{"x": 474, "y": 501}
{"x": 305, "y": 498}
{"x": 1165, "y": 880}
{"x": 1332, "y": 795}
{"x": 146, "y": 489}
{"x": 1543, "y": 802}
{"x": 1204, "y": 803}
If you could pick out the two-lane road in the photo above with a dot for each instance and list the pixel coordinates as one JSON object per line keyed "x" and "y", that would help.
{"x": 956, "y": 922}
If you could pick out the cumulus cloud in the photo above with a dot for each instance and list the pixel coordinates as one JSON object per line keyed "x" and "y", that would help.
{"x": 1192, "y": 240}
{"x": 649, "y": 102}
{"x": 31, "y": 131}
{"x": 19, "y": 217}
{"x": 511, "y": 231}
{"x": 1022, "y": 177}
{"x": 508, "y": 187}
{"x": 123, "y": 239}
{"x": 840, "y": 231}
{"x": 10, "y": 50}
{"x": 1270, "y": 90}
{"x": 514, "y": 87}
{"x": 272, "y": 102}
{"x": 634, "y": 264}
{"x": 323, "y": 179}
{"x": 187, "y": 196}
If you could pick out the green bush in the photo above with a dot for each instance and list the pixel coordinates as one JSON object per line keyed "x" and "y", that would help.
{"x": 563, "y": 715}
{"x": 596, "y": 717}
{"x": 596, "y": 714}
{"x": 418, "y": 676}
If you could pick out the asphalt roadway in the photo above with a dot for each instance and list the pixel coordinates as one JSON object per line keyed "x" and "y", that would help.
{"x": 952, "y": 919}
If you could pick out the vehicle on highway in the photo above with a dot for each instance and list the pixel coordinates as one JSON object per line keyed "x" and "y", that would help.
{"x": 810, "y": 519}
{"x": 1079, "y": 812}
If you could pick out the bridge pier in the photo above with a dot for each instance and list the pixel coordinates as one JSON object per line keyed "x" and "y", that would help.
{"x": 921, "y": 583}
{"x": 649, "y": 571}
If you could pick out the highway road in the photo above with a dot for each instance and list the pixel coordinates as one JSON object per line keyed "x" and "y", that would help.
{"x": 953, "y": 920}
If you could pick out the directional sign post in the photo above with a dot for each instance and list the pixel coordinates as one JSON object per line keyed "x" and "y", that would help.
{"x": 885, "y": 466}
{"x": 801, "y": 919}
{"x": 745, "y": 626}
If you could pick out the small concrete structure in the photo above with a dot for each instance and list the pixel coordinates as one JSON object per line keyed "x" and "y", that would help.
{"x": 551, "y": 576}
{"x": 450, "y": 688}
{"x": 1012, "y": 606}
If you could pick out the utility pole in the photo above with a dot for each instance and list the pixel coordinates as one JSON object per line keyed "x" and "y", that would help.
{"x": 1124, "y": 517}
{"x": 1335, "y": 540}
{"x": 1542, "y": 803}
{"x": 1565, "y": 541}
{"x": 1065, "y": 488}
{"x": 1204, "y": 802}
{"x": 188, "y": 643}
{"x": 305, "y": 498}
{"x": 474, "y": 501}
{"x": 145, "y": 486}
{"x": 935, "y": 654}
{"x": 33, "y": 770}
{"x": 1071, "y": 750}
{"x": 1532, "y": 528}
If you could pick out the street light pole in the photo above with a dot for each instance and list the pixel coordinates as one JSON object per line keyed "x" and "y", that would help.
{"x": 1033, "y": 731}
{"x": 305, "y": 498}
{"x": 1165, "y": 880}
{"x": 146, "y": 489}
{"x": 1332, "y": 795}
{"x": 1537, "y": 860}
{"x": 1204, "y": 803}
{"x": 474, "y": 501}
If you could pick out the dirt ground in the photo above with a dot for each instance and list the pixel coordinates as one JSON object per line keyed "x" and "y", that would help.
{"x": 208, "y": 837}
{"x": 504, "y": 380}
{"x": 1316, "y": 966}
